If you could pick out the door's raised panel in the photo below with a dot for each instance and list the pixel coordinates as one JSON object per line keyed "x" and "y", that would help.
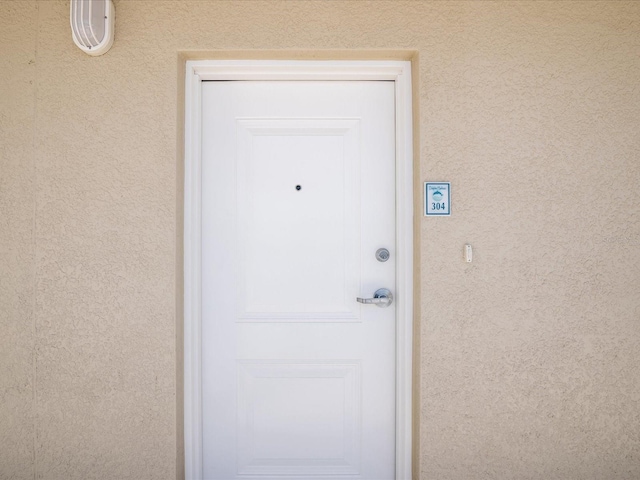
{"x": 298, "y": 197}
{"x": 298, "y": 418}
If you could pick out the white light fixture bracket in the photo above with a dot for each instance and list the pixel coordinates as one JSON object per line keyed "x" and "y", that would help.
{"x": 92, "y": 25}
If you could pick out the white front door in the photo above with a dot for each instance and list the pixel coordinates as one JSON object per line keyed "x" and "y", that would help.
{"x": 298, "y": 194}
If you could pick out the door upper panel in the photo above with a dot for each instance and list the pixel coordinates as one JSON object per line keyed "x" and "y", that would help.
{"x": 298, "y": 214}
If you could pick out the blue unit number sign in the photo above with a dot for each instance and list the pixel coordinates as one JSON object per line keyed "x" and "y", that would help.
{"x": 437, "y": 198}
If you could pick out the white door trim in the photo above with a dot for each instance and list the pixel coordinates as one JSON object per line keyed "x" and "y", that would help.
{"x": 201, "y": 70}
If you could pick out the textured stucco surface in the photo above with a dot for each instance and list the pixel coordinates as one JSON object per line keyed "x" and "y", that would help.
{"x": 17, "y": 188}
{"x": 528, "y": 356}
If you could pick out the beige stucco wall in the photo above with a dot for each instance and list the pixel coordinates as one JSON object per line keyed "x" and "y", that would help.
{"x": 528, "y": 359}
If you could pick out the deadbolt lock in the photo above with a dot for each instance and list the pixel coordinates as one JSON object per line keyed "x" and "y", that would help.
{"x": 382, "y": 254}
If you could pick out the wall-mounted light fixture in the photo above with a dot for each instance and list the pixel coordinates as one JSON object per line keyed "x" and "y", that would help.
{"x": 92, "y": 25}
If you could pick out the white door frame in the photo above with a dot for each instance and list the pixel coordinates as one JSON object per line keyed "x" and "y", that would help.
{"x": 201, "y": 70}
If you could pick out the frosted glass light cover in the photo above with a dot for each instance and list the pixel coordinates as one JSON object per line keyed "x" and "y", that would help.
{"x": 92, "y": 25}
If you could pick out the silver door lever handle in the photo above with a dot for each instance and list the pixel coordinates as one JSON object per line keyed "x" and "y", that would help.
{"x": 381, "y": 298}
